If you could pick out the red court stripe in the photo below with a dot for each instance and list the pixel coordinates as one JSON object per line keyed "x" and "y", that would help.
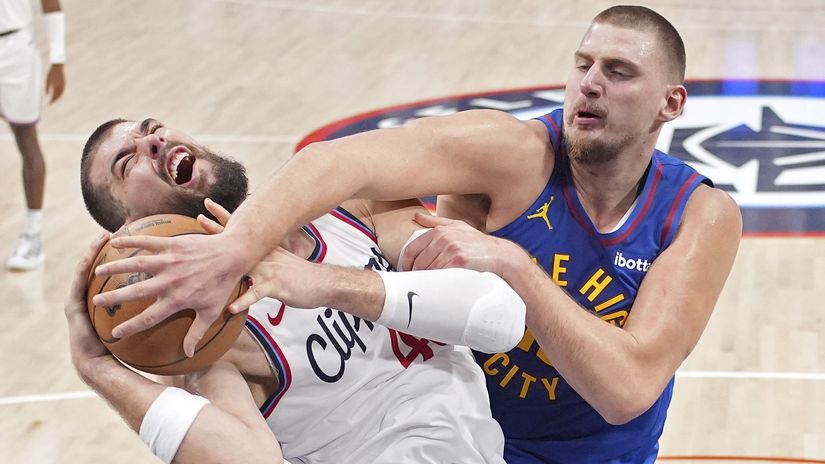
{"x": 740, "y": 459}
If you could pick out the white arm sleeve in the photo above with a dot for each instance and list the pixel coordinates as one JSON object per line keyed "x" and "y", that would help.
{"x": 55, "y": 28}
{"x": 455, "y": 306}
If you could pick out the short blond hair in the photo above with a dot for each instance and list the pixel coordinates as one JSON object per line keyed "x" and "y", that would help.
{"x": 639, "y": 17}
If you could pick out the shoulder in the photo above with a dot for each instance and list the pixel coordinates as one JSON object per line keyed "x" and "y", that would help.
{"x": 710, "y": 207}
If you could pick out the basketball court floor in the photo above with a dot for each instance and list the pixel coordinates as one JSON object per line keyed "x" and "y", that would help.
{"x": 252, "y": 78}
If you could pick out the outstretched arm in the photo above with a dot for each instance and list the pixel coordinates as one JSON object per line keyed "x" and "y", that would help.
{"x": 486, "y": 314}
{"x": 470, "y": 152}
{"x": 229, "y": 429}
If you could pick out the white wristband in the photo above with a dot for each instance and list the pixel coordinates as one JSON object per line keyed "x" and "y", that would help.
{"x": 413, "y": 236}
{"x": 455, "y": 306}
{"x": 168, "y": 419}
{"x": 55, "y": 27}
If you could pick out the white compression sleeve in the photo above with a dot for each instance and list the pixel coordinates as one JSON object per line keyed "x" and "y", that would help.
{"x": 168, "y": 419}
{"x": 55, "y": 28}
{"x": 455, "y": 306}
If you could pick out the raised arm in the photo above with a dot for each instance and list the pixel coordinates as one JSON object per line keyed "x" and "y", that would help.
{"x": 177, "y": 424}
{"x": 470, "y": 152}
{"x": 478, "y": 151}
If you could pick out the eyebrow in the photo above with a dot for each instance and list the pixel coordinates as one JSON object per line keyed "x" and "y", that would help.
{"x": 144, "y": 125}
{"x": 610, "y": 62}
{"x": 618, "y": 62}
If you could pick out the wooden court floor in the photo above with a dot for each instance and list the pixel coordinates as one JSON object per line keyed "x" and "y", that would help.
{"x": 252, "y": 77}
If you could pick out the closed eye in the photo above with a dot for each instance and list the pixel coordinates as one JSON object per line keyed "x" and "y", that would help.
{"x": 123, "y": 164}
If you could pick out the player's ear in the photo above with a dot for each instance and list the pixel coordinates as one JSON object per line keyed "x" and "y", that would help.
{"x": 675, "y": 99}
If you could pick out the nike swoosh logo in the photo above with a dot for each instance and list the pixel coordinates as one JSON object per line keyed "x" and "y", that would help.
{"x": 277, "y": 319}
{"x": 410, "y": 295}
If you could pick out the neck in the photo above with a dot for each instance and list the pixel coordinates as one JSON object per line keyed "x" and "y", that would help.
{"x": 607, "y": 190}
{"x": 298, "y": 243}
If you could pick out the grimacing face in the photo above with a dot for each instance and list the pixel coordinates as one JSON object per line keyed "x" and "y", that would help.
{"x": 153, "y": 169}
{"x": 614, "y": 94}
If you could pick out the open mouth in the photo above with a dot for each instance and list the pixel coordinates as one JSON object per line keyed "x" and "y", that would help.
{"x": 587, "y": 115}
{"x": 181, "y": 167}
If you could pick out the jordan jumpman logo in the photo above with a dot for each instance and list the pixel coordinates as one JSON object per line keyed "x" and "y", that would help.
{"x": 542, "y": 213}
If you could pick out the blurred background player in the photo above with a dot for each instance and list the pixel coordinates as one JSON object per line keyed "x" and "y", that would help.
{"x": 20, "y": 78}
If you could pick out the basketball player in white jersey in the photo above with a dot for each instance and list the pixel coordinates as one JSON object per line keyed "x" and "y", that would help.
{"x": 311, "y": 385}
{"x": 20, "y": 87}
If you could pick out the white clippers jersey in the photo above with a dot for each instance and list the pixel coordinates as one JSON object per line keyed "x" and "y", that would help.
{"x": 15, "y": 14}
{"x": 355, "y": 392}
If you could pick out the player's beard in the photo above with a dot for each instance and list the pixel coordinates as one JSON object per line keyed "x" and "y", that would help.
{"x": 592, "y": 151}
{"x": 229, "y": 189}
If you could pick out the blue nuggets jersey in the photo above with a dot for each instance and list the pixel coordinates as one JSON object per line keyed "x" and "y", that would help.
{"x": 544, "y": 420}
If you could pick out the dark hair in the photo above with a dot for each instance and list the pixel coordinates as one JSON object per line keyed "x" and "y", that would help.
{"x": 632, "y": 16}
{"x": 105, "y": 209}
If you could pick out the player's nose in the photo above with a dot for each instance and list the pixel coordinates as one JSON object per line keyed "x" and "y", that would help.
{"x": 591, "y": 83}
{"x": 152, "y": 145}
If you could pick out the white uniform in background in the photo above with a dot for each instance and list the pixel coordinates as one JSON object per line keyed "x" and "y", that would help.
{"x": 20, "y": 64}
{"x": 356, "y": 392}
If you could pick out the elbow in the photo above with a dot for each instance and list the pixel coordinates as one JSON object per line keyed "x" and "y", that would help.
{"x": 500, "y": 339}
{"x": 513, "y": 325}
{"x": 498, "y": 318}
{"x": 627, "y": 406}
{"x": 622, "y": 415}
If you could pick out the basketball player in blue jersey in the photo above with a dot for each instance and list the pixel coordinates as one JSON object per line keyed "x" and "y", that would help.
{"x": 619, "y": 251}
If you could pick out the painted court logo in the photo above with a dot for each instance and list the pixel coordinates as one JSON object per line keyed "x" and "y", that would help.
{"x": 762, "y": 141}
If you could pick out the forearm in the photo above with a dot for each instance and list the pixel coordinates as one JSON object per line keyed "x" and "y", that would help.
{"x": 287, "y": 200}
{"x": 602, "y": 362}
{"x": 454, "y": 306}
{"x": 454, "y": 154}
{"x": 311, "y": 183}
{"x": 55, "y": 30}
{"x": 215, "y": 436}
{"x": 621, "y": 371}
{"x": 128, "y": 393}
{"x": 353, "y": 291}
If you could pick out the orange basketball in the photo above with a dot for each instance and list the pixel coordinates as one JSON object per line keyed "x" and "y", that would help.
{"x": 158, "y": 350}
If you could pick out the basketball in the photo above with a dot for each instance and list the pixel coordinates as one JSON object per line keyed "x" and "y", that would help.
{"x": 158, "y": 350}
